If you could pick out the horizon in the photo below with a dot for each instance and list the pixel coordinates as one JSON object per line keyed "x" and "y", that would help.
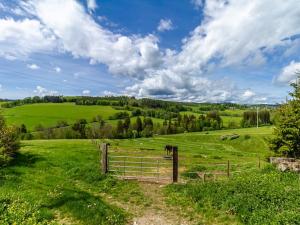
{"x": 139, "y": 98}
{"x": 195, "y": 51}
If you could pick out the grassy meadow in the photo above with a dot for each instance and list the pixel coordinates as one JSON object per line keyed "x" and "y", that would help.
{"x": 204, "y": 149}
{"x": 48, "y": 114}
{"x": 58, "y": 182}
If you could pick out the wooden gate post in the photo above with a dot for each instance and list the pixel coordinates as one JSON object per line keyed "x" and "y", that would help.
{"x": 175, "y": 164}
{"x": 104, "y": 160}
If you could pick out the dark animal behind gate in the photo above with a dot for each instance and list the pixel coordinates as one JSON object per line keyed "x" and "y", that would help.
{"x": 169, "y": 149}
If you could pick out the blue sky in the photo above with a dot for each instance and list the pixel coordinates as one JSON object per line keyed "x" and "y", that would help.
{"x": 185, "y": 50}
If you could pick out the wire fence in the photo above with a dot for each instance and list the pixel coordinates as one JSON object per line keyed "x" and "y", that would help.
{"x": 153, "y": 166}
{"x": 212, "y": 171}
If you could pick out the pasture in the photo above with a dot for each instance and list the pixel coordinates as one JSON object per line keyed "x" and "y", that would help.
{"x": 59, "y": 182}
{"x": 203, "y": 148}
{"x": 48, "y": 114}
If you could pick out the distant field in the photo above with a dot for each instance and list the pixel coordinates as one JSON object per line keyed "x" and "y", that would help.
{"x": 205, "y": 147}
{"x": 227, "y": 119}
{"x": 48, "y": 114}
{"x": 227, "y": 116}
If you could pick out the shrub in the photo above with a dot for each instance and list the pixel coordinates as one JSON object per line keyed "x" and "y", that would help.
{"x": 62, "y": 123}
{"x": 9, "y": 139}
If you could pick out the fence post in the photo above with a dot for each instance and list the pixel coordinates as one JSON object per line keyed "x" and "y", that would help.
{"x": 175, "y": 164}
{"x": 104, "y": 161}
{"x": 259, "y": 162}
{"x": 228, "y": 168}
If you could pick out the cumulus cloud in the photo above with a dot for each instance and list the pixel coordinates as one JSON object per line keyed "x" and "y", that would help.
{"x": 177, "y": 87}
{"x": 122, "y": 54}
{"x": 233, "y": 32}
{"x": 41, "y": 91}
{"x": 288, "y": 73}
{"x": 19, "y": 38}
{"x": 92, "y": 5}
{"x": 86, "y": 92}
{"x": 247, "y": 95}
{"x": 165, "y": 24}
{"x": 57, "y": 69}
{"x": 33, "y": 66}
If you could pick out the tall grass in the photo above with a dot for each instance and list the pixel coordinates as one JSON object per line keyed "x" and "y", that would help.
{"x": 259, "y": 197}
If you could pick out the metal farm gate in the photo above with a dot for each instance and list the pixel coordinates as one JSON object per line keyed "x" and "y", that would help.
{"x": 160, "y": 169}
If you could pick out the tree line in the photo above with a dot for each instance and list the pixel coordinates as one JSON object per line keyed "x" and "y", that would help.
{"x": 250, "y": 118}
{"x": 126, "y": 127}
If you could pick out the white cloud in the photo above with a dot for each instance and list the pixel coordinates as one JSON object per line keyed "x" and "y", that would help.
{"x": 41, "y": 91}
{"x": 109, "y": 93}
{"x": 86, "y": 92}
{"x": 19, "y": 38}
{"x": 92, "y": 5}
{"x": 248, "y": 94}
{"x": 233, "y": 32}
{"x": 33, "y": 66}
{"x": 197, "y": 3}
{"x": 238, "y": 32}
{"x": 123, "y": 55}
{"x": 165, "y": 24}
{"x": 57, "y": 69}
{"x": 288, "y": 73}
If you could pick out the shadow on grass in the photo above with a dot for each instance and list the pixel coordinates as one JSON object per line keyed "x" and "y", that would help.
{"x": 25, "y": 160}
{"x": 86, "y": 207}
{"x": 10, "y": 172}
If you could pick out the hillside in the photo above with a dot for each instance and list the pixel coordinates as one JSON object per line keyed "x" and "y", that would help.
{"x": 48, "y": 114}
{"x": 72, "y": 191}
{"x": 33, "y": 112}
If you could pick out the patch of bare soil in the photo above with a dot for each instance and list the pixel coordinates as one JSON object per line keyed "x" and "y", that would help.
{"x": 158, "y": 212}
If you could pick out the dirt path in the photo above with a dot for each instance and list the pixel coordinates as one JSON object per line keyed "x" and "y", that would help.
{"x": 158, "y": 212}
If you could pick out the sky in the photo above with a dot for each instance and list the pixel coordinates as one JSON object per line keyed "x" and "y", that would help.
{"x": 244, "y": 51}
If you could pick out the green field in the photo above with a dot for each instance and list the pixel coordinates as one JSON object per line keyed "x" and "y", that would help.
{"x": 231, "y": 119}
{"x": 59, "y": 182}
{"x": 205, "y": 148}
{"x": 48, "y": 114}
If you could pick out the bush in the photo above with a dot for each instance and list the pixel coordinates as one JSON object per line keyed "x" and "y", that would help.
{"x": 9, "y": 139}
{"x": 61, "y": 123}
{"x": 119, "y": 116}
